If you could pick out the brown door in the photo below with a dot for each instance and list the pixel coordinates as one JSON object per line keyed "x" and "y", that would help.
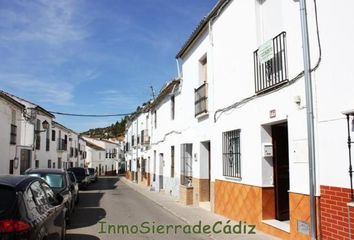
{"x": 281, "y": 170}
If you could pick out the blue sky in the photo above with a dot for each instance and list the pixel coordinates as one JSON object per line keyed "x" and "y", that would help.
{"x": 92, "y": 56}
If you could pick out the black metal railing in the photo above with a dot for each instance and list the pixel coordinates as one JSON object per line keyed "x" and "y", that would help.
{"x": 201, "y": 99}
{"x": 62, "y": 146}
{"x": 273, "y": 72}
{"x": 350, "y": 142}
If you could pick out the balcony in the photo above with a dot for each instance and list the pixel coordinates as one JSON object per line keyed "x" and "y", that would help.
{"x": 145, "y": 137}
{"x": 201, "y": 99}
{"x": 62, "y": 146}
{"x": 270, "y": 64}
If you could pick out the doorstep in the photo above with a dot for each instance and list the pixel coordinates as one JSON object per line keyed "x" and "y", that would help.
{"x": 281, "y": 225}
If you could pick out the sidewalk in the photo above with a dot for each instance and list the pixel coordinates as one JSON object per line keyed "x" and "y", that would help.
{"x": 192, "y": 215}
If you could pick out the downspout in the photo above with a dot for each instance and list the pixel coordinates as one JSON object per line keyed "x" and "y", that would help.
{"x": 179, "y": 73}
{"x": 310, "y": 117}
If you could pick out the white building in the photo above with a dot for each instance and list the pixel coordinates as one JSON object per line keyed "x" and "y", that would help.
{"x": 255, "y": 110}
{"x": 10, "y": 127}
{"x": 40, "y": 141}
{"x": 34, "y": 145}
{"x": 137, "y": 146}
{"x": 103, "y": 155}
{"x": 241, "y": 140}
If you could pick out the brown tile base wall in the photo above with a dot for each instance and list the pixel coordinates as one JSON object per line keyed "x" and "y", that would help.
{"x": 254, "y": 204}
{"x": 212, "y": 196}
{"x": 201, "y": 190}
{"x": 186, "y": 195}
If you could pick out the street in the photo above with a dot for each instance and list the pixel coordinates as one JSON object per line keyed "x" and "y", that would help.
{"x": 112, "y": 201}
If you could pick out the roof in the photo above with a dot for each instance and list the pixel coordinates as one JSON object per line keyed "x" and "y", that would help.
{"x": 45, "y": 170}
{"x": 16, "y": 181}
{"x": 167, "y": 89}
{"x": 63, "y": 127}
{"x": 107, "y": 141}
{"x": 93, "y": 146}
{"x": 23, "y": 101}
{"x": 201, "y": 27}
{"x": 11, "y": 100}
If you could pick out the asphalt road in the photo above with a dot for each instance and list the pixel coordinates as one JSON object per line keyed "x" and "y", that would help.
{"x": 111, "y": 202}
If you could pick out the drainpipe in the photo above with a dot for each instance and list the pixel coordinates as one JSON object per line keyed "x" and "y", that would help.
{"x": 310, "y": 117}
{"x": 178, "y": 68}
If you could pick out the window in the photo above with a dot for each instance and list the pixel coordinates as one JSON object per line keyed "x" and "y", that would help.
{"x": 50, "y": 194}
{"x": 155, "y": 119}
{"x": 71, "y": 151}
{"x": 133, "y": 140}
{"x": 38, "y": 194}
{"x": 172, "y": 161}
{"x": 47, "y": 142}
{"x": 38, "y": 142}
{"x": 36, "y": 164}
{"x": 186, "y": 164}
{"x": 173, "y": 107}
{"x": 13, "y": 134}
{"x": 53, "y": 135}
{"x": 231, "y": 154}
{"x": 59, "y": 163}
{"x": 49, "y": 163}
{"x": 270, "y": 64}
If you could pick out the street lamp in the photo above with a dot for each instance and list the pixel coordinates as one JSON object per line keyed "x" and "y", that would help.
{"x": 45, "y": 126}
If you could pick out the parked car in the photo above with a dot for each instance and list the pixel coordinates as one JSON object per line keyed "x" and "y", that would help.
{"x": 82, "y": 176}
{"x": 29, "y": 209}
{"x": 93, "y": 175}
{"x": 59, "y": 181}
{"x": 75, "y": 187}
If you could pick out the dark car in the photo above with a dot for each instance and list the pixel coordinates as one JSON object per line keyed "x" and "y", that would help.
{"x": 82, "y": 176}
{"x": 93, "y": 175}
{"x": 59, "y": 181}
{"x": 75, "y": 187}
{"x": 29, "y": 209}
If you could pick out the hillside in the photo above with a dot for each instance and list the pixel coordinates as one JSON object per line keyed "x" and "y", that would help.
{"x": 115, "y": 130}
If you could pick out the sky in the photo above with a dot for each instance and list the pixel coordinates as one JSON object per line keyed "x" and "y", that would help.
{"x": 92, "y": 56}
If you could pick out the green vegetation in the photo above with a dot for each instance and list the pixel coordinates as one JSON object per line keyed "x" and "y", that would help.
{"x": 113, "y": 131}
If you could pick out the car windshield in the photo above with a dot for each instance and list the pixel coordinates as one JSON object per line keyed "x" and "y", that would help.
{"x": 7, "y": 198}
{"x": 54, "y": 180}
{"x": 91, "y": 170}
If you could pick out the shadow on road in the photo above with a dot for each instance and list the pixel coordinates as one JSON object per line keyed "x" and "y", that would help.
{"x": 84, "y": 217}
{"x": 88, "y": 199}
{"x": 104, "y": 183}
{"x": 80, "y": 237}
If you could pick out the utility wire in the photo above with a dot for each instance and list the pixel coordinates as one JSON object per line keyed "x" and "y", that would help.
{"x": 91, "y": 115}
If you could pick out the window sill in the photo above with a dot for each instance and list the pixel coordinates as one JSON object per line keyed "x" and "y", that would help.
{"x": 202, "y": 115}
{"x": 236, "y": 179}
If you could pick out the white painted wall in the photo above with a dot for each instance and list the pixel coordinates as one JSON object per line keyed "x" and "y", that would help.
{"x": 8, "y": 151}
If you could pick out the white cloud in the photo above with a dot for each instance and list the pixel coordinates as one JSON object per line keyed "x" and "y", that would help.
{"x": 49, "y": 22}
{"x": 40, "y": 90}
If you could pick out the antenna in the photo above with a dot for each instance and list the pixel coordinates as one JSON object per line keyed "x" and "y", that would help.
{"x": 153, "y": 92}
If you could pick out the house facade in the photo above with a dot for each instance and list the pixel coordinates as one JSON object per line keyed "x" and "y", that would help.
{"x": 241, "y": 142}
{"x": 103, "y": 155}
{"x": 36, "y": 140}
{"x": 11, "y": 114}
